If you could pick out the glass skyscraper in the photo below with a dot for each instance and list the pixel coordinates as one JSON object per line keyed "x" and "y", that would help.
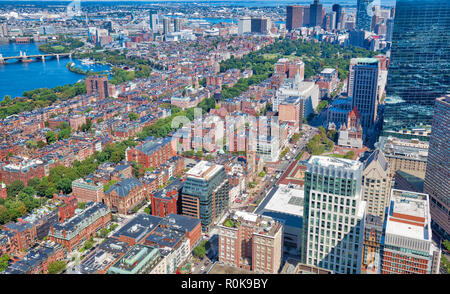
{"x": 364, "y": 15}
{"x": 419, "y": 70}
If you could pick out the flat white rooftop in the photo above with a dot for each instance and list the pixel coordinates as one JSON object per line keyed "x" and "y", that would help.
{"x": 335, "y": 162}
{"x": 204, "y": 169}
{"x": 405, "y": 230}
{"x": 287, "y": 200}
{"x": 412, "y": 204}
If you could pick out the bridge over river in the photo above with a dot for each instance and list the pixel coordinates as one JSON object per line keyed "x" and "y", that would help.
{"x": 23, "y": 57}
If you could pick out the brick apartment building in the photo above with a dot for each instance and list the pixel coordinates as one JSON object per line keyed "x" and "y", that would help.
{"x": 165, "y": 202}
{"x": 22, "y": 169}
{"x": 98, "y": 85}
{"x": 152, "y": 153}
{"x": 37, "y": 260}
{"x": 24, "y": 235}
{"x": 74, "y": 231}
{"x": 251, "y": 242}
{"x": 85, "y": 191}
{"x": 125, "y": 195}
{"x": 68, "y": 207}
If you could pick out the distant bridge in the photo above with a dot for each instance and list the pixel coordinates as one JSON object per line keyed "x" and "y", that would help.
{"x": 23, "y": 57}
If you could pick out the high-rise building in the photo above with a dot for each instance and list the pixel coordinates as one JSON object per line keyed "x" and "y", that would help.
{"x": 315, "y": 14}
{"x": 437, "y": 177}
{"x": 177, "y": 22}
{"x": 154, "y": 21}
{"x": 364, "y": 14}
{"x": 252, "y": 242}
{"x": 166, "y": 25}
{"x": 339, "y": 16}
{"x": 365, "y": 89}
{"x": 407, "y": 246}
{"x": 294, "y": 17}
{"x": 333, "y": 218}
{"x": 329, "y": 21}
{"x": 205, "y": 193}
{"x": 98, "y": 85}
{"x": 260, "y": 25}
{"x": 244, "y": 25}
{"x": 376, "y": 184}
{"x": 419, "y": 70}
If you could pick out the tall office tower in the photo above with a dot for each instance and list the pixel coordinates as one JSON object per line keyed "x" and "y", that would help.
{"x": 419, "y": 70}
{"x": 154, "y": 21}
{"x": 177, "y": 24}
{"x": 252, "y": 242}
{"x": 333, "y": 214}
{"x": 260, "y": 25}
{"x": 244, "y": 25}
{"x": 3, "y": 30}
{"x": 437, "y": 176}
{"x": 364, "y": 14}
{"x": 407, "y": 246}
{"x": 294, "y": 17}
{"x": 315, "y": 14}
{"x": 365, "y": 89}
{"x": 376, "y": 184}
{"x": 329, "y": 21}
{"x": 306, "y": 12}
{"x": 98, "y": 85}
{"x": 389, "y": 29}
{"x": 205, "y": 193}
{"x": 166, "y": 25}
{"x": 339, "y": 16}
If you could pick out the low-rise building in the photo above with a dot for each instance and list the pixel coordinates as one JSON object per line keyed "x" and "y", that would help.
{"x": 81, "y": 227}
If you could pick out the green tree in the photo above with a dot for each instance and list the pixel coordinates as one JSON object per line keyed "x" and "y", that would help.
{"x": 50, "y": 137}
{"x": 15, "y": 187}
{"x": 56, "y": 267}
{"x": 133, "y": 116}
{"x": 4, "y": 262}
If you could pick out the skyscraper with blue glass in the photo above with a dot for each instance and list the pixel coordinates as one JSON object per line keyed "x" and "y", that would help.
{"x": 364, "y": 14}
{"x": 419, "y": 70}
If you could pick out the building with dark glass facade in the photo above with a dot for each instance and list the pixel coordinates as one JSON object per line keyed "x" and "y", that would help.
{"x": 419, "y": 70}
{"x": 205, "y": 193}
{"x": 364, "y": 15}
{"x": 315, "y": 14}
{"x": 437, "y": 176}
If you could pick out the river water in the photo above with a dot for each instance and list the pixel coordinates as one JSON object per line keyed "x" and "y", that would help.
{"x": 17, "y": 77}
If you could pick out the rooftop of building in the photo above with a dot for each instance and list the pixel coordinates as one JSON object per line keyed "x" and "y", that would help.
{"x": 104, "y": 256}
{"x": 204, "y": 170}
{"x": 181, "y": 221}
{"x": 135, "y": 259}
{"x": 139, "y": 227}
{"x": 334, "y": 162}
{"x": 411, "y": 148}
{"x": 152, "y": 144}
{"x": 263, "y": 225}
{"x": 74, "y": 222}
{"x": 33, "y": 259}
{"x": 124, "y": 187}
{"x": 284, "y": 202}
{"x": 165, "y": 237}
{"x": 294, "y": 266}
{"x": 413, "y": 209}
{"x": 375, "y": 156}
{"x": 226, "y": 269}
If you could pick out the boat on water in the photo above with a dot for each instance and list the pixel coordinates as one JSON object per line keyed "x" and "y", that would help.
{"x": 27, "y": 60}
{"x": 87, "y": 61}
